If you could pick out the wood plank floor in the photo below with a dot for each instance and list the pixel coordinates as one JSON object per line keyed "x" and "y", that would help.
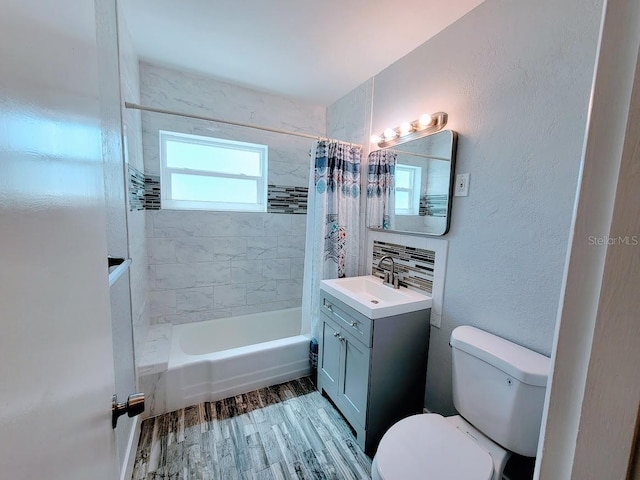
{"x": 288, "y": 431}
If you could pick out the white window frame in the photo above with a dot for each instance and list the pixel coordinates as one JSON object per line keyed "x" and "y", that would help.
{"x": 413, "y": 190}
{"x": 165, "y": 174}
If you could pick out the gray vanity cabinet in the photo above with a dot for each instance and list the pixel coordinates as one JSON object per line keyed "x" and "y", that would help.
{"x": 345, "y": 366}
{"x": 372, "y": 370}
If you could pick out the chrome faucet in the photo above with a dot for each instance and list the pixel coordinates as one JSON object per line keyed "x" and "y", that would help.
{"x": 390, "y": 278}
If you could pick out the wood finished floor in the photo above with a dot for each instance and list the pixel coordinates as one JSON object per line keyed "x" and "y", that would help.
{"x": 288, "y": 431}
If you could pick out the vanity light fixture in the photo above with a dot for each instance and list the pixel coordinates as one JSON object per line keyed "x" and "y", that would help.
{"x": 424, "y": 125}
{"x": 390, "y": 133}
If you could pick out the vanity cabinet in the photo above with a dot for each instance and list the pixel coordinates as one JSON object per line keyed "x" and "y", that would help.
{"x": 374, "y": 371}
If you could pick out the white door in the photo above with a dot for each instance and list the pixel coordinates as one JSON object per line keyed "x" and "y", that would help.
{"x": 56, "y": 362}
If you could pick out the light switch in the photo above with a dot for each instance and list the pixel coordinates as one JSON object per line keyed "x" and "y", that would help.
{"x": 462, "y": 185}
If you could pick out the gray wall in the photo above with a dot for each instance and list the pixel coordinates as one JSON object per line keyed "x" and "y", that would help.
{"x": 205, "y": 265}
{"x": 515, "y": 78}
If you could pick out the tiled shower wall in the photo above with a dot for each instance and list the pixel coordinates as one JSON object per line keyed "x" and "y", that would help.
{"x": 205, "y": 265}
{"x": 132, "y": 124}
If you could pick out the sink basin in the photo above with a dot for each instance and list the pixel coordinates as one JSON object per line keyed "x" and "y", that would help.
{"x": 374, "y": 300}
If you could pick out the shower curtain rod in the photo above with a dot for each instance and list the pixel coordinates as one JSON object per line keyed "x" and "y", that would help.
{"x": 136, "y": 106}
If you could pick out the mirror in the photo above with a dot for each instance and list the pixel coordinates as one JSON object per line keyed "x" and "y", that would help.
{"x": 410, "y": 185}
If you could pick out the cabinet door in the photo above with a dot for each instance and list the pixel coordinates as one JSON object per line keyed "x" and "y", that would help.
{"x": 354, "y": 383}
{"x": 329, "y": 363}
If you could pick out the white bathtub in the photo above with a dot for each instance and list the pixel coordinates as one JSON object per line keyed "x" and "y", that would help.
{"x": 216, "y": 359}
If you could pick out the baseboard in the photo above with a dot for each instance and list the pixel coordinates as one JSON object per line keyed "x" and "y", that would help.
{"x": 132, "y": 447}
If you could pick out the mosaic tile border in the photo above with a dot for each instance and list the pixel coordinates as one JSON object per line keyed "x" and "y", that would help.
{"x": 152, "y": 192}
{"x": 144, "y": 194}
{"x": 434, "y": 205}
{"x": 415, "y": 266}
{"x": 136, "y": 189}
{"x": 283, "y": 199}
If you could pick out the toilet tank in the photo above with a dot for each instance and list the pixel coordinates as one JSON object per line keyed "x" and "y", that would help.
{"x": 499, "y": 387}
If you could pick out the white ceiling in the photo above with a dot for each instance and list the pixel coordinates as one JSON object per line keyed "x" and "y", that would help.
{"x": 316, "y": 51}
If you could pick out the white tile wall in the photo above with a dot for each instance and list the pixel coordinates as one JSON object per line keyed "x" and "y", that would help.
{"x": 195, "y": 274}
{"x": 178, "y": 91}
{"x": 136, "y": 220}
{"x": 205, "y": 265}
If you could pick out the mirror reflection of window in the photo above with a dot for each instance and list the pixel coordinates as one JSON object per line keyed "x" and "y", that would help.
{"x": 408, "y": 180}
{"x": 417, "y": 200}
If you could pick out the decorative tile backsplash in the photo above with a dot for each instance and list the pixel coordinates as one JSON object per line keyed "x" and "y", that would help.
{"x": 414, "y": 265}
{"x": 282, "y": 199}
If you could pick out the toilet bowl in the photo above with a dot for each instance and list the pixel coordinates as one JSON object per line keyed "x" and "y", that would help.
{"x": 498, "y": 388}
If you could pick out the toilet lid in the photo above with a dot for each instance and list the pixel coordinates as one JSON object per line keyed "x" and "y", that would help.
{"x": 428, "y": 447}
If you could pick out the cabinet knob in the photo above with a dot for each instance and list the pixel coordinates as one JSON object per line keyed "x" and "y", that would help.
{"x": 336, "y": 334}
{"x": 354, "y": 324}
{"x": 329, "y": 307}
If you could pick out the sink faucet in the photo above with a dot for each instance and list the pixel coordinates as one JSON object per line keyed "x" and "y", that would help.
{"x": 390, "y": 278}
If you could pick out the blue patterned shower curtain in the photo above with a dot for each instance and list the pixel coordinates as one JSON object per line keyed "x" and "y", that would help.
{"x": 380, "y": 189}
{"x": 333, "y": 222}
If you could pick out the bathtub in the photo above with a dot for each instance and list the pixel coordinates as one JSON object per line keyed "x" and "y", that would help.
{"x": 220, "y": 358}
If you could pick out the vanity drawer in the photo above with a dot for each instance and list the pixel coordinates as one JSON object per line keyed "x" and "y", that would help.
{"x": 352, "y": 321}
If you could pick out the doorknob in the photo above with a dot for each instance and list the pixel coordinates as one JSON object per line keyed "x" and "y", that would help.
{"x": 132, "y": 407}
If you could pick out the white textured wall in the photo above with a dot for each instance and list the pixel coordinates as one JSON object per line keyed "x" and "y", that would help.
{"x": 515, "y": 79}
{"x": 592, "y": 406}
{"x": 205, "y": 265}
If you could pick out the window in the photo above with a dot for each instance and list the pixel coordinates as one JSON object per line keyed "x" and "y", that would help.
{"x": 408, "y": 180}
{"x": 205, "y": 173}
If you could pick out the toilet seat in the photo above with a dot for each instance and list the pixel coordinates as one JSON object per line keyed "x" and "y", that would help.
{"x": 428, "y": 447}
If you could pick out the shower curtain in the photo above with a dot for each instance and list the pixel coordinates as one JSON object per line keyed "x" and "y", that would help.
{"x": 333, "y": 221}
{"x": 380, "y": 189}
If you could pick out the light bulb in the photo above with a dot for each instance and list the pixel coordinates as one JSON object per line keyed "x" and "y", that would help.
{"x": 425, "y": 120}
{"x": 375, "y": 139}
{"x": 405, "y": 128}
{"x": 389, "y": 134}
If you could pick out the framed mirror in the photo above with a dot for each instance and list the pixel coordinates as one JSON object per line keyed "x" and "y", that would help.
{"x": 410, "y": 185}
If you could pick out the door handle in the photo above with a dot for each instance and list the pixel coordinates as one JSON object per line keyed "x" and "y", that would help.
{"x": 132, "y": 407}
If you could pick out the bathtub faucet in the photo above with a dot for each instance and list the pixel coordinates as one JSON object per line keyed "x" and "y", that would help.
{"x": 390, "y": 278}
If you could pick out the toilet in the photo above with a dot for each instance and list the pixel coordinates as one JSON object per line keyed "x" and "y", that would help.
{"x": 498, "y": 389}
